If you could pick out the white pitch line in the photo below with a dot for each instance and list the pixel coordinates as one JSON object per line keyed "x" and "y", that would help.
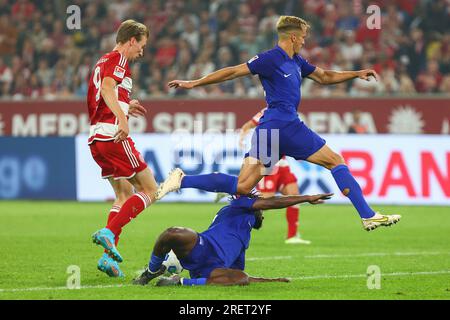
{"x": 65, "y": 288}
{"x": 346, "y": 276}
{"x": 268, "y": 258}
{"x": 323, "y": 276}
{"x": 375, "y": 254}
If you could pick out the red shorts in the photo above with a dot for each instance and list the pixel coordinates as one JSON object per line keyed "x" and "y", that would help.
{"x": 276, "y": 182}
{"x": 119, "y": 160}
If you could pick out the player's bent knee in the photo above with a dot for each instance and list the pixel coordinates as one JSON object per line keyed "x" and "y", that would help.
{"x": 174, "y": 234}
{"x": 244, "y": 188}
{"x": 333, "y": 161}
{"x": 337, "y": 160}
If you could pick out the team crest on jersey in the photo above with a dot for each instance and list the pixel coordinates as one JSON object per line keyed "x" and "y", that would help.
{"x": 253, "y": 59}
{"x": 119, "y": 72}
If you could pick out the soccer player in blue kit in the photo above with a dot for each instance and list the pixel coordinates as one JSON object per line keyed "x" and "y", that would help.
{"x": 217, "y": 255}
{"x": 280, "y": 131}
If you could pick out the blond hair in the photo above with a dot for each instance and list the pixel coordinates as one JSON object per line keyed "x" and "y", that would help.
{"x": 286, "y": 24}
{"x": 129, "y": 29}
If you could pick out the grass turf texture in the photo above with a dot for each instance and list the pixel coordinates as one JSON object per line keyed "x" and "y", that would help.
{"x": 39, "y": 240}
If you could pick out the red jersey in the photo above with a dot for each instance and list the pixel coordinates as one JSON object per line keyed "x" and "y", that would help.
{"x": 102, "y": 119}
{"x": 283, "y": 161}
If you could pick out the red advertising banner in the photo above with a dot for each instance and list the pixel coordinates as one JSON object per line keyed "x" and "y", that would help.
{"x": 381, "y": 115}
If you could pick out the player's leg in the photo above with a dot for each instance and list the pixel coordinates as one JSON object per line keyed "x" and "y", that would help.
{"x": 219, "y": 276}
{"x": 126, "y": 162}
{"x": 228, "y": 277}
{"x": 122, "y": 190}
{"x": 350, "y": 188}
{"x": 251, "y": 172}
{"x": 292, "y": 215}
{"x": 146, "y": 186}
{"x": 180, "y": 240}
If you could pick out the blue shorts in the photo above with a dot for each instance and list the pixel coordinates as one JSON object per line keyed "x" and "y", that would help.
{"x": 202, "y": 259}
{"x": 274, "y": 139}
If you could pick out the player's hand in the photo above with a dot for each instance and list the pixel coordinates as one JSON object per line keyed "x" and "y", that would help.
{"x": 367, "y": 73}
{"x": 122, "y": 132}
{"x": 319, "y": 198}
{"x": 136, "y": 109}
{"x": 181, "y": 84}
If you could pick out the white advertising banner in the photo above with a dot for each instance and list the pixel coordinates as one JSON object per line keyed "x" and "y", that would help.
{"x": 391, "y": 169}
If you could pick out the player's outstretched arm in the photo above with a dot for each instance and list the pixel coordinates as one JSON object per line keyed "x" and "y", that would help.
{"x": 332, "y": 77}
{"x": 218, "y": 76}
{"x": 258, "y": 279}
{"x": 279, "y": 202}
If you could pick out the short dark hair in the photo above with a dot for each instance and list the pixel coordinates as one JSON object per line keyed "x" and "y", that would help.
{"x": 129, "y": 29}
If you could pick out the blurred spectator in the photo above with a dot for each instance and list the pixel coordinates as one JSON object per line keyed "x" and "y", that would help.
{"x": 8, "y": 36}
{"x": 40, "y": 57}
{"x": 406, "y": 85}
{"x": 357, "y": 126}
{"x": 429, "y": 80}
{"x": 5, "y": 72}
{"x": 351, "y": 50}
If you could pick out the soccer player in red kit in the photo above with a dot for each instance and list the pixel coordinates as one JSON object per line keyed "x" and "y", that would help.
{"x": 280, "y": 180}
{"x": 109, "y": 105}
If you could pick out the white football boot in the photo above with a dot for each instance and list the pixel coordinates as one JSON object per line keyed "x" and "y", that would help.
{"x": 297, "y": 239}
{"x": 380, "y": 220}
{"x": 220, "y": 196}
{"x": 172, "y": 183}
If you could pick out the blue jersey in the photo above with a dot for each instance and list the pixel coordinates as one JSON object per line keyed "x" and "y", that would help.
{"x": 281, "y": 78}
{"x": 223, "y": 245}
{"x": 229, "y": 233}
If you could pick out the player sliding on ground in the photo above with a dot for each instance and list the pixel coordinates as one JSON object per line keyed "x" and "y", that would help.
{"x": 217, "y": 255}
{"x": 109, "y": 106}
{"x": 280, "y": 131}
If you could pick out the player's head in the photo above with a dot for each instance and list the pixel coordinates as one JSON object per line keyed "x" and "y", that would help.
{"x": 293, "y": 30}
{"x": 133, "y": 36}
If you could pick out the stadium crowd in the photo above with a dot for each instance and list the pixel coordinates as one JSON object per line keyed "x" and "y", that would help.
{"x": 41, "y": 58}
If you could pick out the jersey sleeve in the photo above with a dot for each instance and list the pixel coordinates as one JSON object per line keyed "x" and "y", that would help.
{"x": 243, "y": 202}
{"x": 306, "y": 67}
{"x": 261, "y": 64}
{"x": 115, "y": 68}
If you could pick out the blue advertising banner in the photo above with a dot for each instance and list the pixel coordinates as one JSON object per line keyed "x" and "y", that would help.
{"x": 37, "y": 168}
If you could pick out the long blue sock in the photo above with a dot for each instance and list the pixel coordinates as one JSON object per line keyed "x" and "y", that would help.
{"x": 155, "y": 263}
{"x": 350, "y": 188}
{"x": 193, "y": 282}
{"x": 213, "y": 182}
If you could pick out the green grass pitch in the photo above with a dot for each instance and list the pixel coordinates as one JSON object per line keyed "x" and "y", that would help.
{"x": 39, "y": 240}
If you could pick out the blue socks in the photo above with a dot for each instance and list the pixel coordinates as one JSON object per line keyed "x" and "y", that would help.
{"x": 213, "y": 182}
{"x": 155, "y": 263}
{"x": 350, "y": 188}
{"x": 193, "y": 282}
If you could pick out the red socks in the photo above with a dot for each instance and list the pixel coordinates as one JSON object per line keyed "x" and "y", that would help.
{"x": 292, "y": 220}
{"x": 130, "y": 209}
{"x": 112, "y": 214}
